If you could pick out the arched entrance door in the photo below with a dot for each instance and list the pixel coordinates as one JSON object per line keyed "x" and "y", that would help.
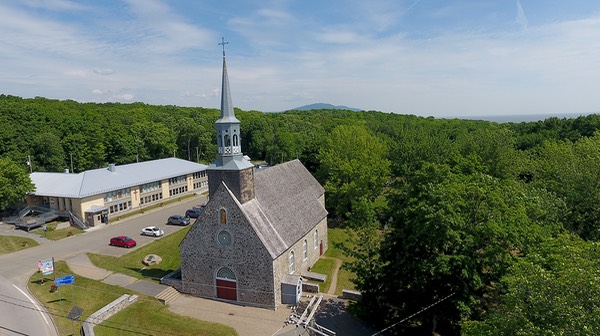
{"x": 226, "y": 283}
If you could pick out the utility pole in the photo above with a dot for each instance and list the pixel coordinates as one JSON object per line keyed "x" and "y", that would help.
{"x": 29, "y": 164}
{"x": 197, "y": 155}
{"x": 71, "y": 154}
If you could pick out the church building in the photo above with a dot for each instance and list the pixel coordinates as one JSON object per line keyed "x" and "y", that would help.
{"x": 261, "y": 229}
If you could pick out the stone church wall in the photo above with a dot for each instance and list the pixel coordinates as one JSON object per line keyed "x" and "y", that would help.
{"x": 281, "y": 267}
{"x": 203, "y": 255}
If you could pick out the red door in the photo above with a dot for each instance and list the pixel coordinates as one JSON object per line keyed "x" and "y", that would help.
{"x": 321, "y": 248}
{"x": 227, "y": 289}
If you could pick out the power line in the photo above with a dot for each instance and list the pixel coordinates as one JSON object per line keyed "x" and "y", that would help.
{"x": 96, "y": 324}
{"x": 413, "y": 315}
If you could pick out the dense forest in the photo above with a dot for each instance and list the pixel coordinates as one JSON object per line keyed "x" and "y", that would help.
{"x": 494, "y": 225}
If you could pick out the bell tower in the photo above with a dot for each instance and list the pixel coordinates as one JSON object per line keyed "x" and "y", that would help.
{"x": 230, "y": 166}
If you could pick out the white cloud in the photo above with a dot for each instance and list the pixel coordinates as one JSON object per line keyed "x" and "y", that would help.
{"x": 521, "y": 19}
{"x": 103, "y": 72}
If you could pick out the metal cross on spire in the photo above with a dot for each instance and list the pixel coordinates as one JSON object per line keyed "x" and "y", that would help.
{"x": 223, "y": 43}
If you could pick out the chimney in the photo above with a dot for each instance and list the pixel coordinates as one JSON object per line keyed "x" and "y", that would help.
{"x": 111, "y": 167}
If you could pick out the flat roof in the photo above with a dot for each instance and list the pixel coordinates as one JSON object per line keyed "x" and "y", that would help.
{"x": 102, "y": 180}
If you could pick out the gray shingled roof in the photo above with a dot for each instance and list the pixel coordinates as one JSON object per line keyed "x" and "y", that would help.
{"x": 99, "y": 181}
{"x": 286, "y": 205}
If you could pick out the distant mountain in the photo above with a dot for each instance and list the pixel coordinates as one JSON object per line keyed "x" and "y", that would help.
{"x": 323, "y": 106}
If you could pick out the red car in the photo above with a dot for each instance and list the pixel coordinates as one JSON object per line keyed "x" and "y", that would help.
{"x": 122, "y": 241}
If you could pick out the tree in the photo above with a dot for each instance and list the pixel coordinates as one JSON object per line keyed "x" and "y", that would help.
{"x": 571, "y": 171}
{"x": 354, "y": 165}
{"x": 455, "y": 233}
{"x": 14, "y": 183}
{"x": 365, "y": 236}
{"x": 552, "y": 291}
{"x": 48, "y": 153}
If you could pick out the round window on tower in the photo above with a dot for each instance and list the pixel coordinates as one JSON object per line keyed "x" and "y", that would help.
{"x": 224, "y": 238}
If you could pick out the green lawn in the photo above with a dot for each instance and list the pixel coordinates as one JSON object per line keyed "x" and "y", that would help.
{"x": 338, "y": 236}
{"x": 88, "y": 294}
{"x": 131, "y": 263}
{"x": 147, "y": 316}
{"x": 153, "y": 319}
{"x": 53, "y": 234}
{"x": 326, "y": 266}
{"x": 10, "y": 244}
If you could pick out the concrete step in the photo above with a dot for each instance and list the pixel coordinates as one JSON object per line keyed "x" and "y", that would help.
{"x": 168, "y": 295}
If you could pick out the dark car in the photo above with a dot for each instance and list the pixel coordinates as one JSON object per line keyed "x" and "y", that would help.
{"x": 122, "y": 241}
{"x": 178, "y": 220}
{"x": 193, "y": 213}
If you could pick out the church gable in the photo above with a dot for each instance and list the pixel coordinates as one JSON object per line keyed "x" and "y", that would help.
{"x": 224, "y": 228}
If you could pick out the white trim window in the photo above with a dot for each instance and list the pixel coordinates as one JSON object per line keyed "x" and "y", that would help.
{"x": 316, "y": 239}
{"x": 305, "y": 249}
{"x": 292, "y": 263}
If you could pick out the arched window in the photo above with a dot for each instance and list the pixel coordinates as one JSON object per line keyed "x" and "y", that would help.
{"x": 227, "y": 140}
{"x": 305, "y": 249}
{"x": 223, "y": 216}
{"x": 235, "y": 140}
{"x": 292, "y": 263}
{"x": 226, "y": 273}
{"x": 316, "y": 239}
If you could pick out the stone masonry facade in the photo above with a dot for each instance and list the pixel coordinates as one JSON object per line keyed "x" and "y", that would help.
{"x": 203, "y": 255}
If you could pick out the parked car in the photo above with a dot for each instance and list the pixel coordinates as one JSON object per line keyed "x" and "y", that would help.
{"x": 152, "y": 231}
{"x": 122, "y": 241}
{"x": 193, "y": 212}
{"x": 178, "y": 220}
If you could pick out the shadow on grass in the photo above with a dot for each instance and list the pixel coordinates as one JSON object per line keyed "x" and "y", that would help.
{"x": 152, "y": 273}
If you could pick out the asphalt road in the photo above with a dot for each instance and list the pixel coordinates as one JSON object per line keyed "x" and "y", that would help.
{"x": 19, "y": 313}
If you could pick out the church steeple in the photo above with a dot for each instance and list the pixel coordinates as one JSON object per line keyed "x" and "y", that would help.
{"x": 230, "y": 166}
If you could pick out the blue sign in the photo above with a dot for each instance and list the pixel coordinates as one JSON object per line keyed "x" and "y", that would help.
{"x": 66, "y": 280}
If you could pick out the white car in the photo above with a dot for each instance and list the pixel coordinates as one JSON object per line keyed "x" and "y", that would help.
{"x": 152, "y": 231}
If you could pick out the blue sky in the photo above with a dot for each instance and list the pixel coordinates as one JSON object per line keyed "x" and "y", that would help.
{"x": 422, "y": 57}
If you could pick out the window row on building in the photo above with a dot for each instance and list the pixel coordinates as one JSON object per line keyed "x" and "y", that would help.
{"x": 121, "y": 206}
{"x": 200, "y": 174}
{"x": 177, "y": 180}
{"x": 151, "y": 198}
{"x": 149, "y": 187}
{"x": 178, "y": 190}
{"x": 200, "y": 185}
{"x": 117, "y": 194}
{"x": 292, "y": 256}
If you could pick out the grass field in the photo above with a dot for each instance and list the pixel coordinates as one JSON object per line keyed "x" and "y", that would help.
{"x": 326, "y": 266}
{"x": 53, "y": 234}
{"x": 11, "y": 243}
{"x": 131, "y": 263}
{"x": 146, "y": 317}
{"x": 338, "y": 236}
{"x": 146, "y": 314}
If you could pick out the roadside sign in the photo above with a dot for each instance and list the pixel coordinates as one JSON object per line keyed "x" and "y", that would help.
{"x": 47, "y": 266}
{"x": 66, "y": 280}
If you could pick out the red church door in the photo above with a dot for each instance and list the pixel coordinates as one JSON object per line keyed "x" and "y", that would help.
{"x": 227, "y": 289}
{"x": 321, "y": 248}
{"x": 226, "y": 284}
